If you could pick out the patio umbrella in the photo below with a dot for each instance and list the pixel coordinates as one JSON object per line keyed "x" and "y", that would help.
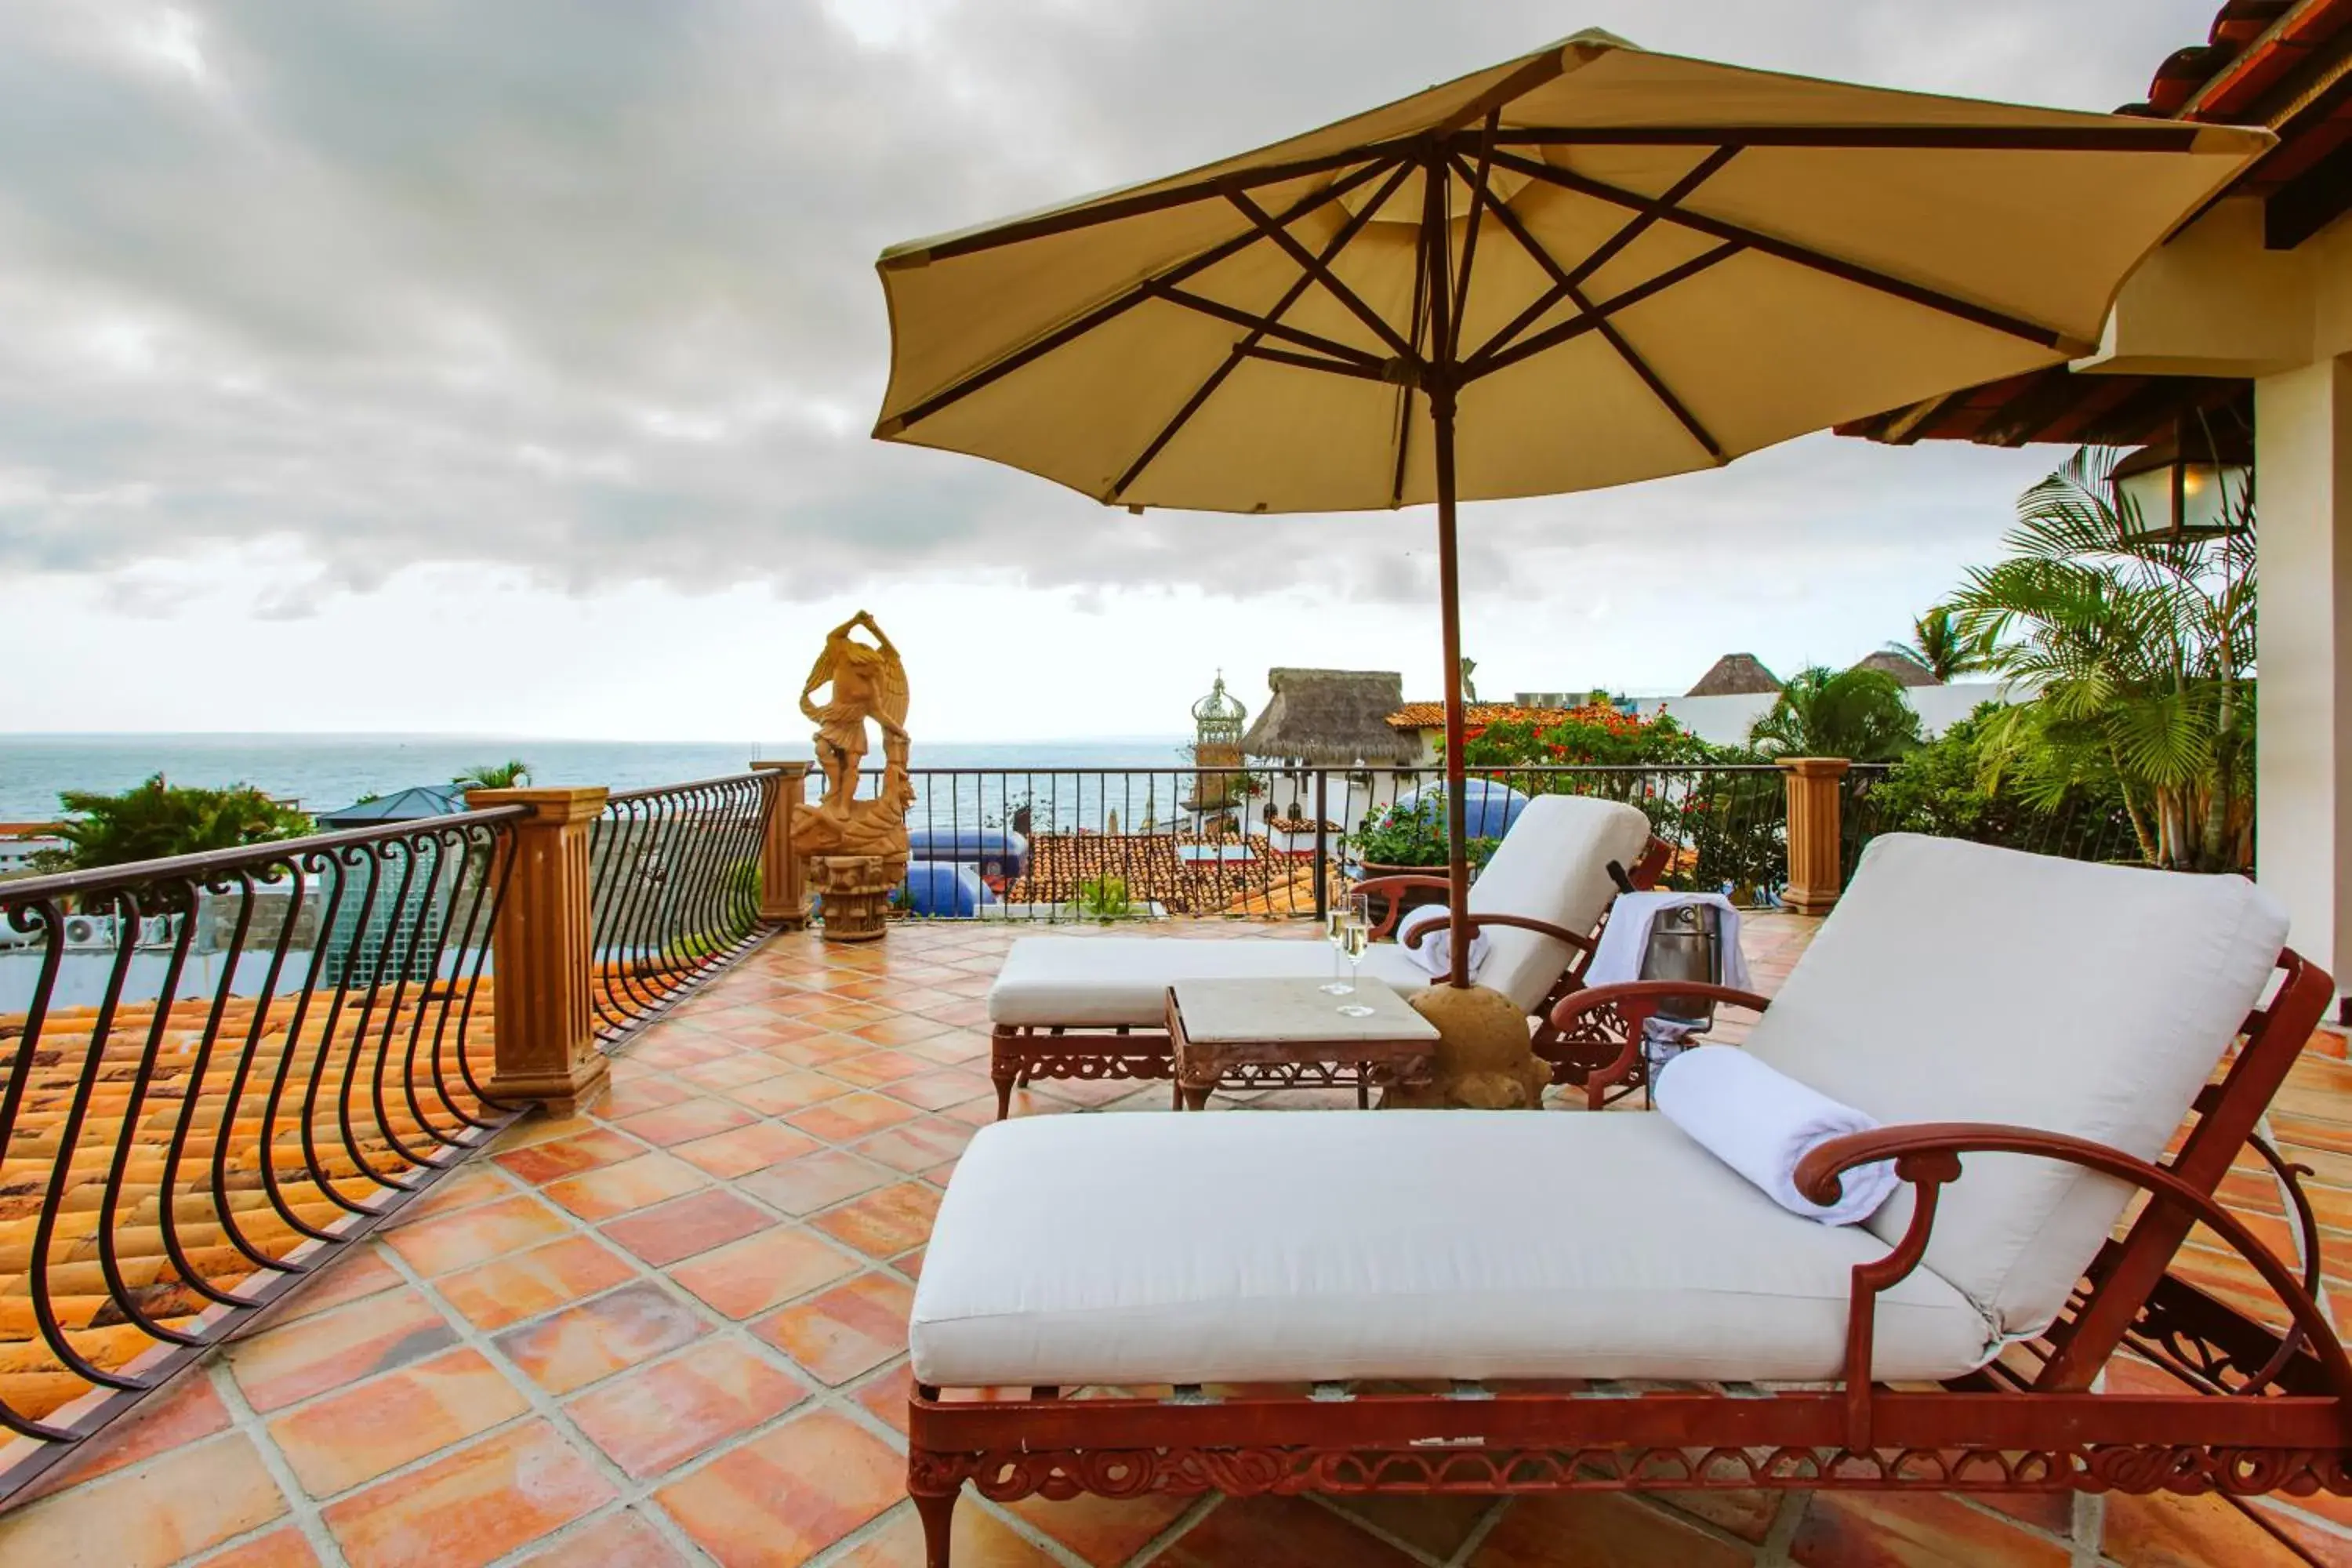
{"x": 1584, "y": 267}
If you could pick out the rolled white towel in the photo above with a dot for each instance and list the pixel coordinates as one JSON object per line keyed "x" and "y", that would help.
{"x": 1760, "y": 1122}
{"x": 1435, "y": 953}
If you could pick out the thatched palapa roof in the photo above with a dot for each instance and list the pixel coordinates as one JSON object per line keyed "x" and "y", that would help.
{"x": 1907, "y": 671}
{"x": 1331, "y": 718}
{"x": 1734, "y": 674}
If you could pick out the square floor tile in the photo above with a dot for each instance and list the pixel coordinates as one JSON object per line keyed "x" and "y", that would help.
{"x": 795, "y": 1089}
{"x": 977, "y": 1540}
{"x": 477, "y": 1235}
{"x": 671, "y": 1231}
{"x": 166, "y": 1509}
{"x": 1845, "y": 1528}
{"x": 884, "y": 1224}
{"x": 731, "y": 1072}
{"x": 653, "y": 1419}
{"x": 632, "y": 1184}
{"x": 623, "y": 1540}
{"x": 333, "y": 1444}
{"x": 814, "y": 1181}
{"x": 697, "y": 1118}
{"x": 377, "y": 1333}
{"x": 493, "y": 1295}
{"x": 748, "y": 1277}
{"x": 916, "y": 1146}
{"x": 747, "y": 1148}
{"x": 281, "y": 1547}
{"x": 939, "y": 1088}
{"x": 560, "y": 1157}
{"x": 904, "y": 1029}
{"x": 876, "y": 1068}
{"x": 853, "y": 1116}
{"x": 472, "y": 1507}
{"x": 787, "y": 1495}
{"x": 648, "y": 1092}
{"x": 849, "y": 1330}
{"x": 580, "y": 1344}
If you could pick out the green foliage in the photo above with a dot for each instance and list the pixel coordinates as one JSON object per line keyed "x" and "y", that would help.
{"x": 513, "y": 773}
{"x": 154, "y": 819}
{"x": 1947, "y": 787}
{"x": 1854, "y": 713}
{"x": 1939, "y": 647}
{"x": 1594, "y": 735}
{"x": 2142, "y": 650}
{"x": 1411, "y": 834}
{"x": 1105, "y": 898}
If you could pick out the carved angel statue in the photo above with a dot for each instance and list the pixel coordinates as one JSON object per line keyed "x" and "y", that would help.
{"x": 862, "y": 682}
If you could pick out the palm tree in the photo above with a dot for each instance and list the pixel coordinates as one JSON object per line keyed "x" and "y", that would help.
{"x": 2143, "y": 650}
{"x": 1938, "y": 646}
{"x": 513, "y": 773}
{"x": 1824, "y": 712}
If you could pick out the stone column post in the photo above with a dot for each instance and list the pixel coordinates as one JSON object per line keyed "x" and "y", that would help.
{"x": 545, "y": 1030}
{"x": 784, "y": 894}
{"x": 1816, "y": 845}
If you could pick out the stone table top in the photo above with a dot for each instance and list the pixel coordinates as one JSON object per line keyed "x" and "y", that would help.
{"x": 1281, "y": 1012}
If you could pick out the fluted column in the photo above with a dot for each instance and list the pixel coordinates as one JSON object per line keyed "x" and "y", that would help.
{"x": 783, "y": 892}
{"x": 1816, "y": 847}
{"x": 545, "y": 1031}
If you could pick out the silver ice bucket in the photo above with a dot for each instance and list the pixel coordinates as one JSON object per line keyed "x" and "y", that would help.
{"x": 1685, "y": 944}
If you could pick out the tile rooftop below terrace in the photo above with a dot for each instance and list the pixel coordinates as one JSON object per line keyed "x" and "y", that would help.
{"x": 673, "y": 1330}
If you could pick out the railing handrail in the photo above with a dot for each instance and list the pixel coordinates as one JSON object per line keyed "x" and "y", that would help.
{"x": 1428, "y": 767}
{"x": 654, "y": 792}
{"x": 102, "y": 878}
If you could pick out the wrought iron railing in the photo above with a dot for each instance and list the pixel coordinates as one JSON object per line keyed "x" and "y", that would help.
{"x": 674, "y": 874}
{"x": 221, "y": 1070}
{"x": 2082, "y": 828}
{"x": 1055, "y": 843}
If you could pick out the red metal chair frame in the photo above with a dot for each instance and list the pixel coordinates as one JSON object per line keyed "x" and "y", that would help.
{"x": 1021, "y": 1053}
{"x": 2260, "y": 1411}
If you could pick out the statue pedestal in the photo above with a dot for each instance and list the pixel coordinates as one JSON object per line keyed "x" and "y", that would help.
{"x": 1482, "y": 1060}
{"x": 855, "y": 890}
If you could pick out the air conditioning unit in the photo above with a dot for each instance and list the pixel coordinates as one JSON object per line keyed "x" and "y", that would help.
{"x": 11, "y": 938}
{"x": 159, "y": 931}
{"x": 89, "y": 931}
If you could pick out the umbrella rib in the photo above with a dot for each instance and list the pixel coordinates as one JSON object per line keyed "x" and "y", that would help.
{"x": 1268, "y": 325}
{"x": 1576, "y": 327}
{"x": 1315, "y": 361}
{"x": 1260, "y": 327}
{"x": 1606, "y": 251}
{"x": 1650, "y": 377}
{"x": 1116, "y": 306}
{"x": 1280, "y": 233}
{"x": 2151, "y": 136}
{"x": 1480, "y": 199}
{"x": 1404, "y": 387}
{"x": 1803, "y": 256}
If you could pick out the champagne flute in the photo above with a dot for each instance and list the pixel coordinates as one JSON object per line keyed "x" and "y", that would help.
{"x": 1356, "y": 930}
{"x": 1335, "y": 930}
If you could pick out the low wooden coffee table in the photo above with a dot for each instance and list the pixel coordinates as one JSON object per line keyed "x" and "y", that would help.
{"x": 1290, "y": 1034}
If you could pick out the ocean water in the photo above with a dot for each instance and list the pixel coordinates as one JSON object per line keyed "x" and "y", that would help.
{"x": 324, "y": 772}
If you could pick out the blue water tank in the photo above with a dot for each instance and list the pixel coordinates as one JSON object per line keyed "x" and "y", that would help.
{"x": 998, "y": 853}
{"x": 944, "y": 888}
{"x": 1492, "y": 807}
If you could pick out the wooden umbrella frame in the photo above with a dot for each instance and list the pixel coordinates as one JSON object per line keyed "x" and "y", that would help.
{"x": 2257, "y": 1410}
{"x": 1427, "y": 358}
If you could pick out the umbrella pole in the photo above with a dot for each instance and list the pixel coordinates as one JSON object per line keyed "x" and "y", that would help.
{"x": 1449, "y": 591}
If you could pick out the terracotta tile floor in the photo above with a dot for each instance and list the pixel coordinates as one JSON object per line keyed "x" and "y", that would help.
{"x": 673, "y": 1331}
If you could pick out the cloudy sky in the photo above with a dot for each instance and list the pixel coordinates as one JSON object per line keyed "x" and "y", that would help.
{"x": 506, "y": 367}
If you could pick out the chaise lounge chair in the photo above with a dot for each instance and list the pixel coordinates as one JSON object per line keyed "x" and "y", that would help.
{"x": 1093, "y": 1007}
{"x": 2029, "y": 1032}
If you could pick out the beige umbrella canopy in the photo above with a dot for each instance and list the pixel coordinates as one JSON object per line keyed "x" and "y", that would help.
{"x": 1581, "y": 267}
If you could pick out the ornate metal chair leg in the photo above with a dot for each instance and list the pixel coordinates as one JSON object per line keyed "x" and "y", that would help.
{"x": 1005, "y": 1065}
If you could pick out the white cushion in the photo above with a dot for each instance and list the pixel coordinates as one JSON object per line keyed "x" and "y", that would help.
{"x": 1249, "y": 1246}
{"x": 1552, "y": 865}
{"x": 1960, "y": 983}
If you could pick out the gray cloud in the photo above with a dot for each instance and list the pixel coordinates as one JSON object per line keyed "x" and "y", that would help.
{"x": 587, "y": 288}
